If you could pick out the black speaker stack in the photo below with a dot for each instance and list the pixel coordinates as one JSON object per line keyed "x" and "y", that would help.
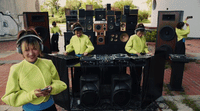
{"x": 107, "y": 29}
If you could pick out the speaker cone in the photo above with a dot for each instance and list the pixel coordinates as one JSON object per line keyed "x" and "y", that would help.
{"x": 100, "y": 39}
{"x": 89, "y": 27}
{"x": 42, "y": 32}
{"x": 124, "y": 37}
{"x": 167, "y": 33}
{"x": 110, "y": 26}
{"x": 98, "y": 27}
{"x": 121, "y": 95}
{"x": 89, "y": 95}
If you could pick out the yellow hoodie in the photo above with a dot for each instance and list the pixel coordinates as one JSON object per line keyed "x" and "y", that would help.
{"x": 136, "y": 44}
{"x": 80, "y": 44}
{"x": 181, "y": 33}
{"x": 25, "y": 77}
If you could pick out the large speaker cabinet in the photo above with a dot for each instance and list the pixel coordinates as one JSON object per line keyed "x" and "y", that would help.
{"x": 40, "y": 21}
{"x": 166, "y": 36}
{"x": 111, "y": 23}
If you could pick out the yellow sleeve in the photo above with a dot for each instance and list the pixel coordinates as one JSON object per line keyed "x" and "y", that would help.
{"x": 89, "y": 46}
{"x": 69, "y": 47}
{"x": 14, "y": 95}
{"x": 145, "y": 47}
{"x": 57, "y": 85}
{"x": 129, "y": 46}
{"x": 52, "y": 30}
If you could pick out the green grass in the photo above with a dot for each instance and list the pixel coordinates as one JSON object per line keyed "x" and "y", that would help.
{"x": 2, "y": 64}
{"x": 168, "y": 92}
{"x": 191, "y": 104}
{"x": 171, "y": 105}
{"x": 144, "y": 21}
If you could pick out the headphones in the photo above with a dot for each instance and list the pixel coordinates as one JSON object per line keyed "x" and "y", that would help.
{"x": 139, "y": 29}
{"x": 77, "y": 28}
{"x": 19, "y": 50}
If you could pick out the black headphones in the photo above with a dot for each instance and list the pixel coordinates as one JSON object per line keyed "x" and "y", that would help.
{"x": 19, "y": 50}
{"x": 139, "y": 29}
{"x": 77, "y": 27}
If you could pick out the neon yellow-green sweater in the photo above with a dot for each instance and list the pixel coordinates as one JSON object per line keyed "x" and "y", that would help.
{"x": 25, "y": 77}
{"x": 136, "y": 44}
{"x": 55, "y": 29}
{"x": 181, "y": 33}
{"x": 80, "y": 44}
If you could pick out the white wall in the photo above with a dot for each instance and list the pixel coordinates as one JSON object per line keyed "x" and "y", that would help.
{"x": 11, "y": 27}
{"x": 190, "y": 8}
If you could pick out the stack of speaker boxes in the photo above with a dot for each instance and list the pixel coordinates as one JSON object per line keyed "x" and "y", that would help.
{"x": 110, "y": 29}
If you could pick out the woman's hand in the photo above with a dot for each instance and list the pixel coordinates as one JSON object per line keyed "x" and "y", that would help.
{"x": 44, "y": 93}
{"x": 65, "y": 53}
{"x": 138, "y": 54}
{"x": 186, "y": 24}
{"x": 85, "y": 53}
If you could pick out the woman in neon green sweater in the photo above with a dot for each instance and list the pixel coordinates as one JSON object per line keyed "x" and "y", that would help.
{"x": 80, "y": 43}
{"x": 181, "y": 34}
{"x": 55, "y": 37}
{"x": 136, "y": 46}
{"x": 137, "y": 42}
{"x": 27, "y": 78}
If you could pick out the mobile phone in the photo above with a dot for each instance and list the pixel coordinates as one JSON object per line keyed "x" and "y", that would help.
{"x": 44, "y": 89}
{"x": 188, "y": 17}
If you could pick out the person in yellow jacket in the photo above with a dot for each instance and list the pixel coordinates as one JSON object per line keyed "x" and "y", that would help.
{"x": 181, "y": 35}
{"x": 55, "y": 37}
{"x": 79, "y": 43}
{"x": 136, "y": 46}
{"x": 27, "y": 78}
{"x": 137, "y": 42}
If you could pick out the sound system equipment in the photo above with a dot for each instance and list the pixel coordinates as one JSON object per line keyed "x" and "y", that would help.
{"x": 121, "y": 89}
{"x": 100, "y": 14}
{"x": 89, "y": 23}
{"x": 97, "y": 60}
{"x": 122, "y": 26}
{"x": 81, "y": 13}
{"x": 91, "y": 36}
{"x": 153, "y": 78}
{"x": 89, "y": 90}
{"x": 131, "y": 22}
{"x": 70, "y": 60}
{"x": 117, "y": 21}
{"x": 177, "y": 65}
{"x": 70, "y": 25}
{"x": 126, "y": 10}
{"x": 110, "y": 12}
{"x": 73, "y": 12}
{"x": 133, "y": 12}
{"x": 89, "y": 7}
{"x": 82, "y": 22}
{"x": 111, "y": 23}
{"x": 100, "y": 27}
{"x": 166, "y": 36}
{"x": 108, "y": 7}
{"x": 63, "y": 99}
{"x": 116, "y": 41}
{"x": 40, "y": 21}
{"x": 67, "y": 37}
{"x": 101, "y": 38}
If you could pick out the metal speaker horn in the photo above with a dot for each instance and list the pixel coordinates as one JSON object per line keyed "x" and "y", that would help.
{"x": 124, "y": 37}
